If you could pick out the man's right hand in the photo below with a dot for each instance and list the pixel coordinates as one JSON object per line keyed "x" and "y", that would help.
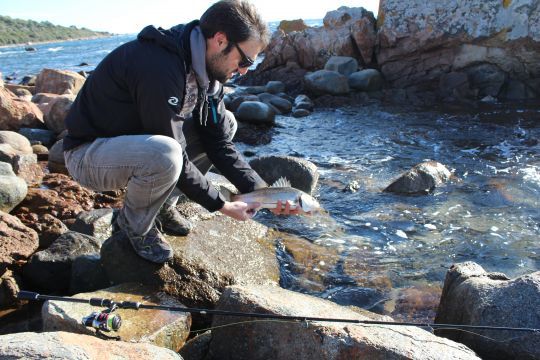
{"x": 240, "y": 210}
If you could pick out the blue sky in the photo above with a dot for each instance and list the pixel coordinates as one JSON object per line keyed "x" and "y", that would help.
{"x": 125, "y": 16}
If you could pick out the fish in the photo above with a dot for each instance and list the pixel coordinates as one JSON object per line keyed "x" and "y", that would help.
{"x": 282, "y": 191}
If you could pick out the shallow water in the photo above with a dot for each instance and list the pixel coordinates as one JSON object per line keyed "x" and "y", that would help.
{"x": 391, "y": 252}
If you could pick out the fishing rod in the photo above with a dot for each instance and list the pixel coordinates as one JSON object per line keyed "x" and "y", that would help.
{"x": 104, "y": 320}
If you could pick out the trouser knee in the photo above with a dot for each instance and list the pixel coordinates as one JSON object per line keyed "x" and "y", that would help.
{"x": 165, "y": 157}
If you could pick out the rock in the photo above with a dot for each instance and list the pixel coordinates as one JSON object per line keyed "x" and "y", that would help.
{"x": 472, "y": 296}
{"x": 59, "y": 110}
{"x": 275, "y": 87}
{"x": 18, "y": 241}
{"x": 288, "y": 26}
{"x": 235, "y": 103}
{"x": 27, "y": 168}
{"x": 493, "y": 43}
{"x": 282, "y": 105}
{"x": 316, "y": 340}
{"x": 303, "y": 102}
{"x": 254, "y": 90}
{"x": 50, "y": 269}
{"x": 13, "y": 189}
{"x": 23, "y": 94}
{"x": 30, "y": 48}
{"x": 87, "y": 274}
{"x": 422, "y": 178}
{"x": 366, "y": 80}
{"x": 41, "y": 136}
{"x": 16, "y": 113}
{"x": 96, "y": 223}
{"x": 203, "y": 264}
{"x": 9, "y": 288}
{"x": 65, "y": 345}
{"x": 253, "y": 134}
{"x": 16, "y": 141}
{"x": 46, "y": 101}
{"x": 196, "y": 348}
{"x": 326, "y": 82}
{"x": 301, "y": 173}
{"x": 166, "y": 329}
{"x": 298, "y": 113}
{"x": 291, "y": 75}
{"x": 455, "y": 84}
{"x": 255, "y": 112}
{"x": 41, "y": 152}
{"x": 345, "y": 65}
{"x": 56, "y": 162}
{"x": 28, "y": 80}
{"x": 59, "y": 82}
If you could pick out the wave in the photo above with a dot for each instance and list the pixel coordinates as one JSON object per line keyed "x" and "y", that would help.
{"x": 55, "y": 49}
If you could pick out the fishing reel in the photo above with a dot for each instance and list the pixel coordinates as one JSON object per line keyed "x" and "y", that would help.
{"x": 104, "y": 320}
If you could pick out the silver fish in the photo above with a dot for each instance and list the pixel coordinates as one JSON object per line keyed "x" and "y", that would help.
{"x": 282, "y": 191}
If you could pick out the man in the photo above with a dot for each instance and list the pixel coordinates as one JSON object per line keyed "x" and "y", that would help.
{"x": 151, "y": 118}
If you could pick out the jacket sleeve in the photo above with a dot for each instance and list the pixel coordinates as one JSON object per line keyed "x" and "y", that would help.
{"x": 158, "y": 93}
{"x": 214, "y": 134}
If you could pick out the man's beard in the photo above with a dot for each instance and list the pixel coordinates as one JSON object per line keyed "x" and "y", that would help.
{"x": 213, "y": 68}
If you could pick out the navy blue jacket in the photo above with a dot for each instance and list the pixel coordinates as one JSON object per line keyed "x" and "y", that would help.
{"x": 128, "y": 94}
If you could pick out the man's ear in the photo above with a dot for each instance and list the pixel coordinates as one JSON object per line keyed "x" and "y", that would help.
{"x": 221, "y": 40}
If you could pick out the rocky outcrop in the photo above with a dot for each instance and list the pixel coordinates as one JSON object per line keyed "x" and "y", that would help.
{"x": 494, "y": 45}
{"x": 472, "y": 296}
{"x": 64, "y": 345}
{"x": 316, "y": 340}
{"x": 166, "y": 329}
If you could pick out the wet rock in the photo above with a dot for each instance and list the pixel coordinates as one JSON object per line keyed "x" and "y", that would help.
{"x": 59, "y": 82}
{"x": 41, "y": 136}
{"x": 288, "y": 26}
{"x": 65, "y": 345}
{"x": 219, "y": 252}
{"x": 235, "y": 103}
{"x": 275, "y": 87}
{"x": 298, "y": 113}
{"x": 282, "y": 105}
{"x": 287, "y": 340}
{"x": 366, "y": 80}
{"x": 326, "y": 82}
{"x": 417, "y": 304}
{"x": 253, "y": 135}
{"x": 16, "y": 113}
{"x": 254, "y": 90}
{"x": 18, "y": 241}
{"x": 50, "y": 269}
{"x": 303, "y": 102}
{"x": 197, "y": 347}
{"x": 57, "y": 163}
{"x": 54, "y": 119}
{"x": 256, "y": 113}
{"x": 345, "y": 65}
{"x": 472, "y": 296}
{"x": 422, "y": 178}
{"x": 13, "y": 189}
{"x": 302, "y": 174}
{"x": 96, "y": 223}
{"x": 161, "y": 328}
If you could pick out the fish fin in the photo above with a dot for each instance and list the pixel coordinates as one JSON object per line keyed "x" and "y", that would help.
{"x": 281, "y": 182}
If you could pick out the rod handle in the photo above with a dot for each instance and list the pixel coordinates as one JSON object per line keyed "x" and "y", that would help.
{"x": 27, "y": 295}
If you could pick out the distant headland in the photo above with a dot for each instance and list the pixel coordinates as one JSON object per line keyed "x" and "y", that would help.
{"x": 17, "y": 31}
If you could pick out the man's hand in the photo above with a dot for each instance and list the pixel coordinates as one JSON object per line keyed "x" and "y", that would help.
{"x": 286, "y": 210}
{"x": 240, "y": 210}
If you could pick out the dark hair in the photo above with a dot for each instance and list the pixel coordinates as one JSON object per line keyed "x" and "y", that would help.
{"x": 238, "y": 19}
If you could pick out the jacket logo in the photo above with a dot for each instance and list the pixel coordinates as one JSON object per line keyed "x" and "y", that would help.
{"x": 173, "y": 101}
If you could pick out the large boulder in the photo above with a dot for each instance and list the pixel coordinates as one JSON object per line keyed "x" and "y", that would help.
{"x": 17, "y": 141}
{"x": 316, "y": 340}
{"x": 65, "y": 345}
{"x": 281, "y": 105}
{"x": 255, "y": 112}
{"x": 16, "y": 113}
{"x": 301, "y": 173}
{"x": 421, "y": 179}
{"x": 18, "y": 241}
{"x": 496, "y": 43}
{"x": 219, "y": 252}
{"x": 161, "y": 328}
{"x": 59, "y": 82}
{"x": 345, "y": 65}
{"x": 366, "y": 80}
{"x": 324, "y": 82}
{"x": 13, "y": 189}
{"x": 54, "y": 119}
{"x": 472, "y": 296}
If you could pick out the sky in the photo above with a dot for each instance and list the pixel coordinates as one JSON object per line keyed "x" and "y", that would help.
{"x": 130, "y": 16}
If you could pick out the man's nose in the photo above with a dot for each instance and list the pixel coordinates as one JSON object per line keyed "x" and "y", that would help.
{"x": 242, "y": 71}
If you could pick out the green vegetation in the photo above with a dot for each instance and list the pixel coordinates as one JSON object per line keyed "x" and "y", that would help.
{"x": 16, "y": 31}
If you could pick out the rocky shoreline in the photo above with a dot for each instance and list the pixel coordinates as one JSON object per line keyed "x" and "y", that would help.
{"x": 56, "y": 41}
{"x": 56, "y": 238}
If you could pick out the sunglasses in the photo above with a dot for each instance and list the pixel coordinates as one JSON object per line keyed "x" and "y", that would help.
{"x": 246, "y": 60}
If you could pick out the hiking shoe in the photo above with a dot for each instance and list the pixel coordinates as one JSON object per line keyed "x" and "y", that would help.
{"x": 172, "y": 222}
{"x": 152, "y": 246}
